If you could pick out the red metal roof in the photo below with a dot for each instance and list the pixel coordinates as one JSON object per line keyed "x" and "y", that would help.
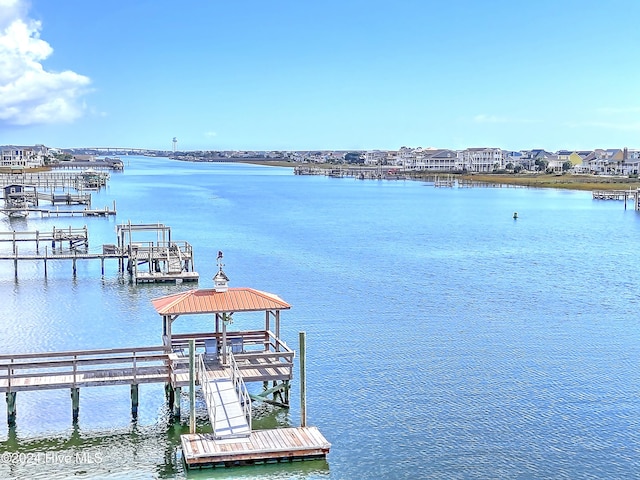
{"x": 210, "y": 301}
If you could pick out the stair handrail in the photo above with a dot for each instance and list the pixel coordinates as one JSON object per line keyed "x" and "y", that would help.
{"x": 207, "y": 392}
{"x": 240, "y": 388}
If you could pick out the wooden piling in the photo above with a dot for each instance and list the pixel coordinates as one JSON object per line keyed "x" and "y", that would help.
{"x": 75, "y": 403}
{"x": 176, "y": 402}
{"x": 134, "y": 401}
{"x": 11, "y": 409}
{"x": 303, "y": 379}
{"x": 173, "y": 399}
{"x": 192, "y": 386}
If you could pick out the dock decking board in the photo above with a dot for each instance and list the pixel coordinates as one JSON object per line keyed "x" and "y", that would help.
{"x": 280, "y": 444}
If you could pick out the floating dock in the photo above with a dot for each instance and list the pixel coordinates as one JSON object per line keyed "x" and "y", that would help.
{"x": 262, "y": 446}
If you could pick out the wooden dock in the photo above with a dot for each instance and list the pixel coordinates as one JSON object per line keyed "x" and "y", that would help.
{"x": 48, "y": 213}
{"x": 75, "y": 237}
{"x": 83, "y": 368}
{"x": 262, "y": 446}
{"x": 160, "y": 260}
{"x": 66, "y": 198}
{"x": 624, "y": 195}
{"x": 165, "y": 260}
{"x": 49, "y": 180}
{"x": 225, "y": 361}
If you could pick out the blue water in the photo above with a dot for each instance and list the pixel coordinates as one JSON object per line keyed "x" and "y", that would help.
{"x": 445, "y": 340}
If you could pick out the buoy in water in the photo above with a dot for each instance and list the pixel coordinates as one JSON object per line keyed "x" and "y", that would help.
{"x": 515, "y": 215}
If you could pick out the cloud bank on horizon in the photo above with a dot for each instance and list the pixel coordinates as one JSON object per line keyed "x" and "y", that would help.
{"x": 29, "y": 94}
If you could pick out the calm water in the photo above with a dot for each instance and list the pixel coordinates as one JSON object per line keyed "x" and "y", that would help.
{"x": 445, "y": 339}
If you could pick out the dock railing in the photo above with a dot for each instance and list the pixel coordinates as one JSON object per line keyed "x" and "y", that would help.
{"x": 37, "y": 371}
{"x": 240, "y": 388}
{"x": 209, "y": 395}
{"x": 258, "y": 345}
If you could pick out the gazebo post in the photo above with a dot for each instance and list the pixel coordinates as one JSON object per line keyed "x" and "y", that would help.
{"x": 224, "y": 340}
{"x": 277, "y": 329}
{"x": 167, "y": 320}
{"x": 266, "y": 334}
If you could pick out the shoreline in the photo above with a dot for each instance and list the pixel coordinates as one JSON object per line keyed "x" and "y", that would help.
{"x": 566, "y": 181}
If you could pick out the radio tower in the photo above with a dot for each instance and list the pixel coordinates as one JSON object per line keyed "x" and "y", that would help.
{"x": 175, "y": 142}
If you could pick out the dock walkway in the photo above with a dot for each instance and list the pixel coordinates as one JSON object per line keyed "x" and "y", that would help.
{"x": 225, "y": 410}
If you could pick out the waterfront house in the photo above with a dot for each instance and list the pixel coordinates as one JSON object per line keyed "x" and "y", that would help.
{"x": 375, "y": 157}
{"x": 482, "y": 159}
{"x": 440, "y": 160}
{"x": 569, "y": 156}
{"x": 13, "y": 156}
{"x": 555, "y": 164}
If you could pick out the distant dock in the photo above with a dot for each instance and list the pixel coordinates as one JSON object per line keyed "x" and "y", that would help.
{"x": 624, "y": 195}
{"x": 162, "y": 260}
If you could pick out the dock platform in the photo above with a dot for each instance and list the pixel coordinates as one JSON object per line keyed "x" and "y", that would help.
{"x": 262, "y": 446}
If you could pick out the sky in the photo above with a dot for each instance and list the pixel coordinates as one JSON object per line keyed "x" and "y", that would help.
{"x": 320, "y": 75}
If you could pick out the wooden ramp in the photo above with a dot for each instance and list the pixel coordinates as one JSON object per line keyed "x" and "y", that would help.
{"x": 225, "y": 411}
{"x": 262, "y": 446}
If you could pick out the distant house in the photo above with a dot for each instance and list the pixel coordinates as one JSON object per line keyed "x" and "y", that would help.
{"x": 513, "y": 158}
{"x": 22, "y": 157}
{"x": 482, "y": 159}
{"x": 555, "y": 163}
{"x": 612, "y": 161}
{"x": 531, "y": 158}
{"x": 569, "y": 156}
{"x": 440, "y": 160}
{"x": 375, "y": 157}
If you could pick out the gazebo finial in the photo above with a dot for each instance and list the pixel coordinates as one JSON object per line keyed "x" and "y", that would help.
{"x": 220, "y": 280}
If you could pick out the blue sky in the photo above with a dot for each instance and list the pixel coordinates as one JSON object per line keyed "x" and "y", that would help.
{"x": 298, "y": 75}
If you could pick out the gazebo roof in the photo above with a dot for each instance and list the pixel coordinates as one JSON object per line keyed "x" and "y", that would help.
{"x": 210, "y": 301}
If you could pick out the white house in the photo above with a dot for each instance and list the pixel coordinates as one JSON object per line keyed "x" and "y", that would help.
{"x": 23, "y": 157}
{"x": 482, "y": 159}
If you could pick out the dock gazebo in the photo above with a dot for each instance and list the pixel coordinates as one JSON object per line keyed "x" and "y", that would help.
{"x": 259, "y": 355}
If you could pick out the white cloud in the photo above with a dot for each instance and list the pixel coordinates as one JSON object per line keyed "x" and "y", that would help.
{"x": 28, "y": 93}
{"x": 210, "y": 134}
